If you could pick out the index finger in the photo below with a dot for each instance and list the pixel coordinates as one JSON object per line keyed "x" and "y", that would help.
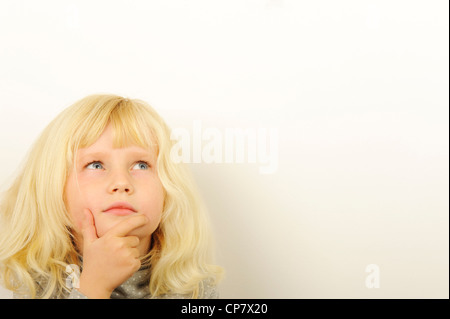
{"x": 127, "y": 225}
{"x": 88, "y": 227}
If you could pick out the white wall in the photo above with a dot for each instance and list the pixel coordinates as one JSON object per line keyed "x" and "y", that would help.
{"x": 358, "y": 91}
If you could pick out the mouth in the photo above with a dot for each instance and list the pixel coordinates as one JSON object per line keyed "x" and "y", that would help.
{"x": 120, "y": 209}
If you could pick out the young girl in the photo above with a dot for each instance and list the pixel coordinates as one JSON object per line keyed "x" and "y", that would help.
{"x": 99, "y": 192}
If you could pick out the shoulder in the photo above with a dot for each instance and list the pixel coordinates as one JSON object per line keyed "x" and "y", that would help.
{"x": 208, "y": 290}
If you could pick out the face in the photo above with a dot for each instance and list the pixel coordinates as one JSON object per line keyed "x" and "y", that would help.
{"x": 108, "y": 175}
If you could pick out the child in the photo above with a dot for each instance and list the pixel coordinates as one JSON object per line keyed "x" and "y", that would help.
{"x": 99, "y": 192}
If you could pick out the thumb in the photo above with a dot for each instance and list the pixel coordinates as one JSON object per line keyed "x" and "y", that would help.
{"x": 88, "y": 227}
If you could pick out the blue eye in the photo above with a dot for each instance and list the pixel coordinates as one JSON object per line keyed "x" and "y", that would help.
{"x": 95, "y": 165}
{"x": 142, "y": 165}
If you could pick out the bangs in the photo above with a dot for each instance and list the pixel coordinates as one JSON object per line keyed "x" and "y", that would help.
{"x": 132, "y": 125}
{"x": 130, "y": 128}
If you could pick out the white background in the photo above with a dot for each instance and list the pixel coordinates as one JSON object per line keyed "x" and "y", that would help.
{"x": 358, "y": 91}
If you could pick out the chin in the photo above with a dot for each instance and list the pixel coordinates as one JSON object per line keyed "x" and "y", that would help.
{"x": 103, "y": 225}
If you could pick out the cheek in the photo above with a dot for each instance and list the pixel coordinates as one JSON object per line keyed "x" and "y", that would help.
{"x": 152, "y": 207}
{"x": 73, "y": 204}
{"x": 76, "y": 201}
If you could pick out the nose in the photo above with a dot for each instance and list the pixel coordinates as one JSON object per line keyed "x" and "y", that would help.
{"x": 120, "y": 183}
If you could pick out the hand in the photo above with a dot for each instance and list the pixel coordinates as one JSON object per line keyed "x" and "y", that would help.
{"x": 111, "y": 259}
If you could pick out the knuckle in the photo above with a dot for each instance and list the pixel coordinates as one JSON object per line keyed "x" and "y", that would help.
{"x": 139, "y": 220}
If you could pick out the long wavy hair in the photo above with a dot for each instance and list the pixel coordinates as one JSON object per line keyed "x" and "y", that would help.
{"x": 36, "y": 237}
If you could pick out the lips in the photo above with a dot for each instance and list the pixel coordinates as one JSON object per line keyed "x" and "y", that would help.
{"x": 120, "y": 208}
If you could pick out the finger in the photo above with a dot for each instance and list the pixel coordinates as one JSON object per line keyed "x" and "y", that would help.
{"x": 131, "y": 241}
{"x": 88, "y": 227}
{"x": 127, "y": 225}
{"x": 135, "y": 253}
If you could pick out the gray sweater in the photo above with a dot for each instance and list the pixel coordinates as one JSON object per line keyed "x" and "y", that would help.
{"x": 136, "y": 287}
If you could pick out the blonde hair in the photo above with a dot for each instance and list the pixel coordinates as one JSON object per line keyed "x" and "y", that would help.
{"x": 36, "y": 239}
